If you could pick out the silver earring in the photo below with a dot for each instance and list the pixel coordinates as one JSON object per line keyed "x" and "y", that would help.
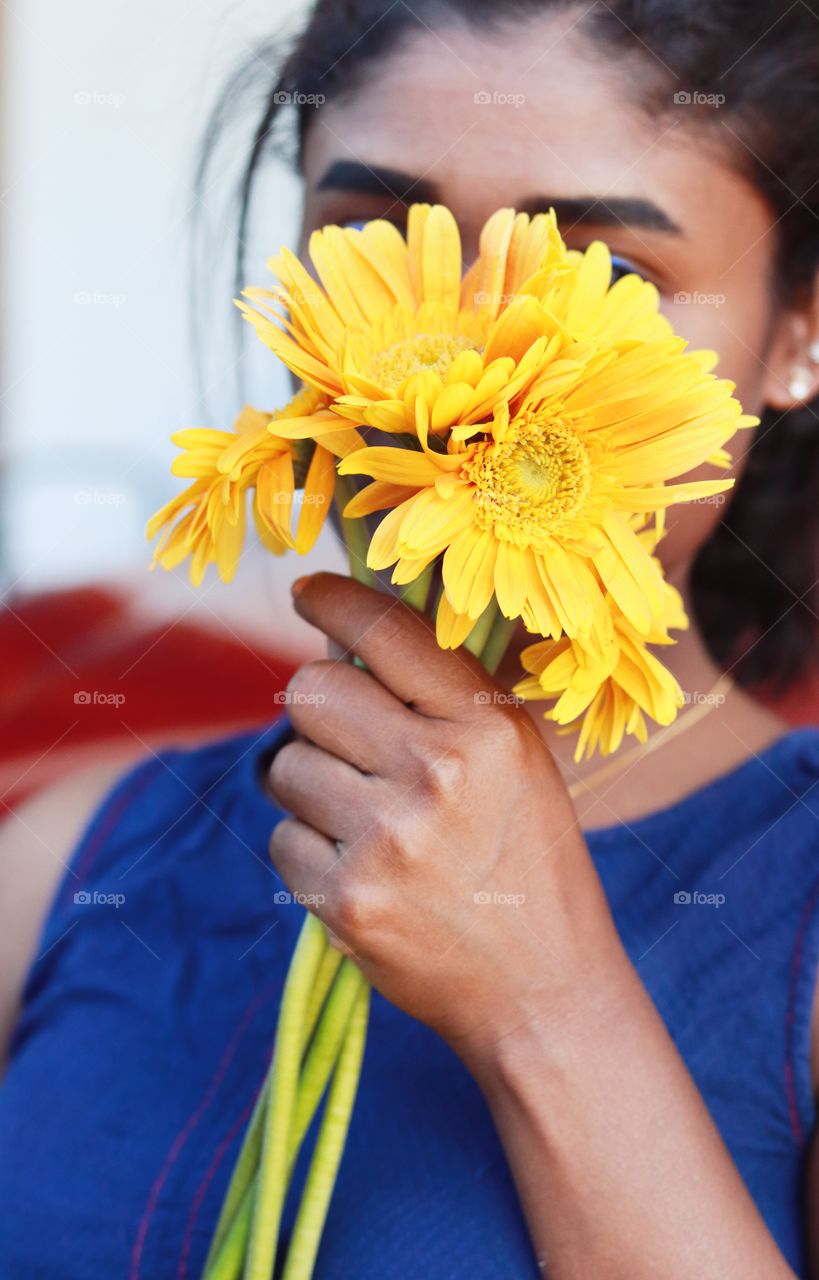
{"x": 800, "y": 384}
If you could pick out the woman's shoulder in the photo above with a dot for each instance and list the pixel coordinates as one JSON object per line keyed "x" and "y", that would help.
{"x": 774, "y": 783}
{"x": 205, "y": 801}
{"x": 773, "y": 798}
{"x": 36, "y": 842}
{"x": 110, "y": 824}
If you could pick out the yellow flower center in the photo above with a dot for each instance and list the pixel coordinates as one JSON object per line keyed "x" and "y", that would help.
{"x": 422, "y": 353}
{"x": 533, "y": 485}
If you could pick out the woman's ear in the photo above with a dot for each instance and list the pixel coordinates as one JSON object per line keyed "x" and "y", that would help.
{"x": 792, "y": 363}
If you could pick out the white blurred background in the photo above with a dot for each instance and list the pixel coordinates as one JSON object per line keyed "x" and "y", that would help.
{"x": 103, "y": 108}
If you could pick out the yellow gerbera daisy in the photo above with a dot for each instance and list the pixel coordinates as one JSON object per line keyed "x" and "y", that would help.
{"x": 535, "y": 506}
{"x": 207, "y": 520}
{"x": 607, "y": 681}
{"x": 386, "y": 310}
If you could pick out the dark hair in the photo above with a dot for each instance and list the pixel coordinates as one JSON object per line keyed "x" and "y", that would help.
{"x": 753, "y": 582}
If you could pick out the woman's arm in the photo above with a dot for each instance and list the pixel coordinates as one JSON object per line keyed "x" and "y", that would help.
{"x": 619, "y": 1167}
{"x": 36, "y": 843}
{"x": 430, "y": 817}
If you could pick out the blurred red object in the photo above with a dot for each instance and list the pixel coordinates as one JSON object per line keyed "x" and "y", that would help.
{"x": 83, "y": 679}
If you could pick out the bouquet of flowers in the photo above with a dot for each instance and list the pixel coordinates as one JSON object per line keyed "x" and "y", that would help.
{"x": 522, "y": 427}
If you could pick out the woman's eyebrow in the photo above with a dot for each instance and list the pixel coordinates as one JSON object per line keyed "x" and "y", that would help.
{"x": 603, "y": 211}
{"x": 374, "y": 180}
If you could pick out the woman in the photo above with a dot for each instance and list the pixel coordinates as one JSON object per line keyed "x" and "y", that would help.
{"x": 595, "y": 1051}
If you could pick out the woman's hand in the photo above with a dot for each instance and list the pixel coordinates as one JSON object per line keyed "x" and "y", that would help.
{"x": 465, "y": 892}
{"x": 433, "y": 827}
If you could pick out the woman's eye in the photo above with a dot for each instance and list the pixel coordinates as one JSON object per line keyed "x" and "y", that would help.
{"x": 398, "y": 220}
{"x": 619, "y": 266}
{"x": 623, "y": 267}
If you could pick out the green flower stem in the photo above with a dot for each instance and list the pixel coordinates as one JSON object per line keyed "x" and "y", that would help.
{"x": 415, "y": 593}
{"x": 355, "y": 533}
{"x": 325, "y": 978}
{"x": 497, "y": 642}
{"x": 227, "y": 1251}
{"x": 304, "y": 1243}
{"x": 241, "y": 1181}
{"x": 481, "y": 631}
{"x": 323, "y": 1053}
{"x": 229, "y": 1257}
{"x": 271, "y": 1184}
{"x": 244, "y": 1173}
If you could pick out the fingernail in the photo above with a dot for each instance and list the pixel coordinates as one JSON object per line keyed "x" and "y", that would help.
{"x": 299, "y": 584}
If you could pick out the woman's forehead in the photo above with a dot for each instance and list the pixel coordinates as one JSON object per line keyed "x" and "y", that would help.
{"x": 453, "y": 109}
{"x": 536, "y": 116}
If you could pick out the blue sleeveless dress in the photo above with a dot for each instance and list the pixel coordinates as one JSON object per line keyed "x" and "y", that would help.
{"x": 149, "y": 1013}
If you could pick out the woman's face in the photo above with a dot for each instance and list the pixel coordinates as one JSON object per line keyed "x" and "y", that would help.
{"x": 537, "y": 118}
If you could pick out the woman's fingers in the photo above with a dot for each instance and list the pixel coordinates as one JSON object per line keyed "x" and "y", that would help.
{"x": 397, "y": 644}
{"x": 350, "y": 714}
{"x": 305, "y": 860}
{"x": 322, "y": 790}
{"x": 318, "y": 876}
